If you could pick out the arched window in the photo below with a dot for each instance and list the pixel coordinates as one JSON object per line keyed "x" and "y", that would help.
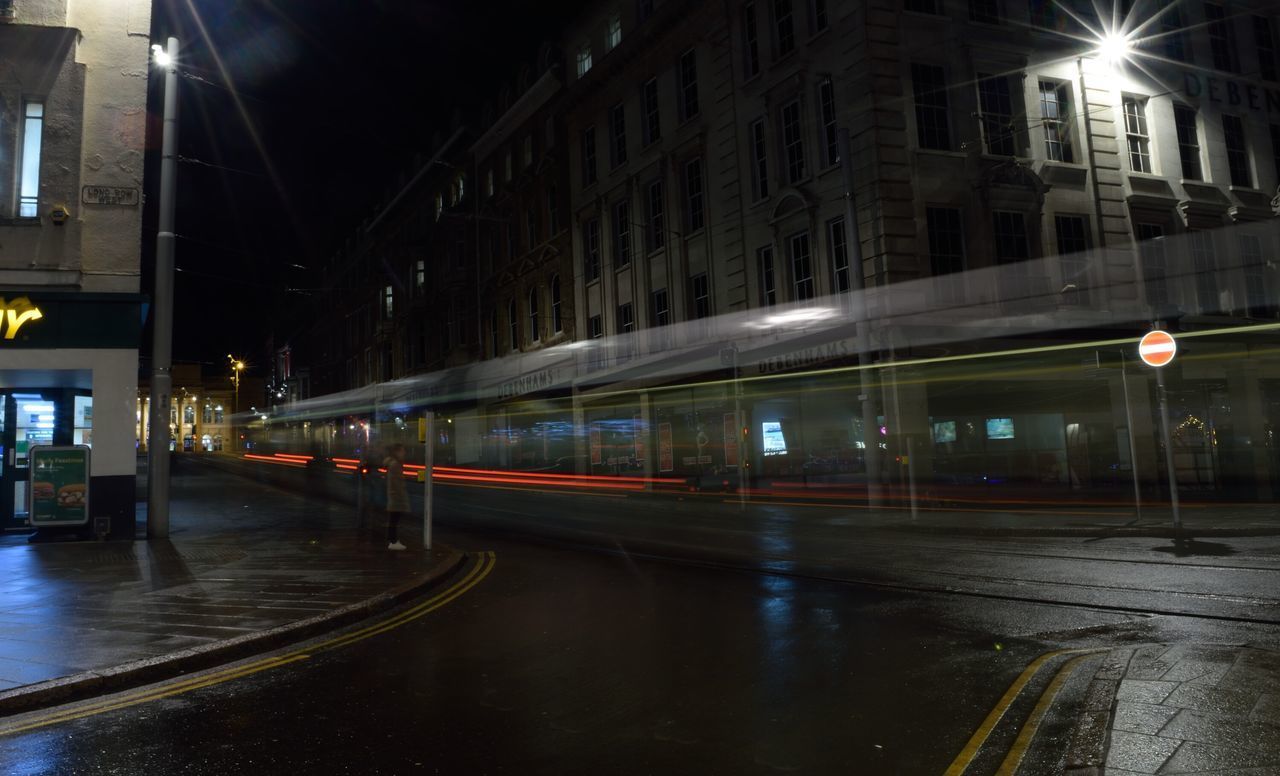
{"x": 513, "y": 323}
{"x": 556, "y": 326}
{"x": 534, "y": 331}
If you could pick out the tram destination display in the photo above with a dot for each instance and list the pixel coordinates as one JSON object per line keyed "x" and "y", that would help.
{"x": 59, "y": 485}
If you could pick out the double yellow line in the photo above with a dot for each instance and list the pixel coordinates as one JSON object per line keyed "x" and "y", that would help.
{"x": 1020, "y": 746}
{"x": 478, "y": 571}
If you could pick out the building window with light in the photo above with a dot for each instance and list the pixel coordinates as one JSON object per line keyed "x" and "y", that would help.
{"x": 784, "y": 30}
{"x": 488, "y": 182}
{"x": 584, "y": 59}
{"x": 793, "y": 142}
{"x": 420, "y": 274}
{"x": 29, "y": 175}
{"x": 614, "y": 34}
{"x": 759, "y": 161}
{"x": 439, "y": 205}
{"x": 588, "y": 156}
{"x": 995, "y": 105}
{"x": 388, "y": 299}
{"x": 595, "y": 327}
{"x": 660, "y": 308}
{"x": 650, "y": 124}
{"x": 626, "y": 319}
{"x": 1055, "y": 117}
{"x": 801, "y": 266}
{"x": 1135, "y": 129}
{"x": 688, "y": 85}
{"x": 929, "y": 87}
{"x": 591, "y": 243}
{"x": 1237, "y": 151}
{"x": 621, "y": 234}
{"x": 1184, "y": 120}
{"x": 1221, "y": 39}
{"x": 827, "y": 113}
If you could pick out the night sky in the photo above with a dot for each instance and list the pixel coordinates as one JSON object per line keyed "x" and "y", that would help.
{"x": 335, "y": 98}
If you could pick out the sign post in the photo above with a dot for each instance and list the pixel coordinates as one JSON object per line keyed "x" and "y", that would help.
{"x": 59, "y": 485}
{"x": 1157, "y": 349}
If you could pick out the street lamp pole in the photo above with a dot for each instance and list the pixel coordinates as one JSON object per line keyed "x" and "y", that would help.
{"x": 162, "y": 334}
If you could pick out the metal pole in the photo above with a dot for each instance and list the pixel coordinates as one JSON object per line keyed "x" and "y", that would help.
{"x": 870, "y": 431}
{"x": 428, "y": 497}
{"x": 162, "y": 339}
{"x": 1168, "y": 449}
{"x": 737, "y": 430}
{"x": 1133, "y": 447}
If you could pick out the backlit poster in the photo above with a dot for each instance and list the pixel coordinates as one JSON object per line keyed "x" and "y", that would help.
{"x": 771, "y": 439}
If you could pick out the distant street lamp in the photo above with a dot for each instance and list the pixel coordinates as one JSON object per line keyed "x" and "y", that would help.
{"x": 162, "y": 333}
{"x": 237, "y": 366}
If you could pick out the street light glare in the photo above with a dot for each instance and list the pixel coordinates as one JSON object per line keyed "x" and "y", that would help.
{"x": 161, "y": 56}
{"x": 1114, "y": 48}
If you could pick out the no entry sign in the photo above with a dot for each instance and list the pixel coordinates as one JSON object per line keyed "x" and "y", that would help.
{"x": 1157, "y": 348}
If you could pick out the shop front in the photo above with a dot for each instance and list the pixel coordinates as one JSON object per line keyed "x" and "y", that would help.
{"x": 68, "y": 376}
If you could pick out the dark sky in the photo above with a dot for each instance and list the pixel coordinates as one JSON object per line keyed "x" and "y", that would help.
{"x": 335, "y": 97}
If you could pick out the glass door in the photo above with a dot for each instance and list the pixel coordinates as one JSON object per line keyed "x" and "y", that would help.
{"x": 29, "y": 420}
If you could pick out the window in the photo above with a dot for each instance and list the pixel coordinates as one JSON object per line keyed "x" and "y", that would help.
{"x": 557, "y": 325}
{"x": 622, "y": 234}
{"x": 817, "y": 16}
{"x": 693, "y": 211}
{"x": 650, "y": 126}
{"x": 929, "y": 86}
{"x": 655, "y": 231}
{"x": 1237, "y": 151}
{"x": 1055, "y": 117}
{"x": 750, "y": 42}
{"x": 659, "y": 307}
{"x": 420, "y": 274}
{"x": 768, "y": 283}
{"x": 1255, "y": 281}
{"x": 513, "y": 325}
{"x": 759, "y": 162}
{"x": 827, "y": 112}
{"x": 1205, "y": 267}
{"x": 488, "y": 182}
{"x": 996, "y": 105}
{"x": 801, "y": 266}
{"x": 591, "y": 240}
{"x": 1072, "y": 244}
{"x": 614, "y": 35}
{"x": 985, "y": 11}
{"x": 207, "y": 416}
{"x": 1135, "y": 128}
{"x": 595, "y": 327}
{"x": 531, "y": 226}
{"x": 29, "y": 177}
{"x": 617, "y": 135}
{"x": 1044, "y": 13}
{"x": 1171, "y": 39}
{"x": 1184, "y": 119}
{"x": 1154, "y": 263}
{"x": 688, "y": 85}
{"x": 1264, "y": 40}
{"x": 1011, "y": 237}
{"x": 507, "y": 167}
{"x": 528, "y": 151}
{"x": 439, "y": 205}
{"x": 784, "y": 33}
{"x": 1221, "y": 40}
{"x": 701, "y": 296}
{"x": 626, "y": 319}
{"x": 839, "y": 250}
{"x": 946, "y": 242}
{"x": 793, "y": 142}
{"x": 584, "y": 59}
{"x": 588, "y": 156}
{"x": 534, "y": 331}
{"x": 553, "y": 212}
{"x": 388, "y": 301}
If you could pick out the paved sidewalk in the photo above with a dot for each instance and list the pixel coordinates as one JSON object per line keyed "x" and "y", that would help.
{"x": 247, "y": 569}
{"x": 1182, "y": 709}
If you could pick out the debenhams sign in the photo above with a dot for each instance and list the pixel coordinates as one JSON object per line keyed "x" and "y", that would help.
{"x": 534, "y": 381}
{"x": 1225, "y": 91}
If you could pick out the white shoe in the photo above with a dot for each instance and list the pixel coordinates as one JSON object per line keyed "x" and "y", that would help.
{"x": 395, "y": 546}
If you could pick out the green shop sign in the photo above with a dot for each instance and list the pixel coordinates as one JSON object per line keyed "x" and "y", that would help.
{"x": 59, "y": 485}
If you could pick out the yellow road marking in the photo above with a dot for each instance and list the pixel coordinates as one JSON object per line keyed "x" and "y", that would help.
{"x": 853, "y": 505}
{"x": 1019, "y": 749}
{"x": 980, "y": 735}
{"x": 484, "y": 564}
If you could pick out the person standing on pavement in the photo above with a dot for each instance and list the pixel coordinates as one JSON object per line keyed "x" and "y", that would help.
{"x": 397, "y": 494}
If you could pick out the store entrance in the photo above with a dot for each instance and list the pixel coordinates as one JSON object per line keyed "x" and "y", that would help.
{"x": 28, "y": 419}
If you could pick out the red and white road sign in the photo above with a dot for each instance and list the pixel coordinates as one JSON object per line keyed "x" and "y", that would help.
{"x": 1157, "y": 348}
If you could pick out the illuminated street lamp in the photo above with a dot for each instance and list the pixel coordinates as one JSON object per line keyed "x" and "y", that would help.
{"x": 1114, "y": 48}
{"x": 237, "y": 366}
{"x": 162, "y": 334}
